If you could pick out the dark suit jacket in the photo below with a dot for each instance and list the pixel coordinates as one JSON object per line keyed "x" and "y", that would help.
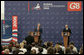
{"x": 69, "y": 30}
{"x": 29, "y": 39}
{"x": 40, "y": 30}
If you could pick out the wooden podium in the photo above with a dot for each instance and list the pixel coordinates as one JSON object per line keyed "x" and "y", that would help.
{"x": 65, "y": 38}
{"x": 36, "y": 37}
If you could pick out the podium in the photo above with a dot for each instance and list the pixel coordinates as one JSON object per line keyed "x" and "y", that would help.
{"x": 65, "y": 38}
{"x": 36, "y": 37}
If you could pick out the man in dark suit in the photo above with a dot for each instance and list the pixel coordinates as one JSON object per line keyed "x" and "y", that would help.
{"x": 39, "y": 30}
{"x": 66, "y": 29}
{"x": 30, "y": 38}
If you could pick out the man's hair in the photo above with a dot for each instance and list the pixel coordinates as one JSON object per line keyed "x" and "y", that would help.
{"x": 55, "y": 50}
{"x": 50, "y": 50}
{"x": 38, "y": 23}
{"x": 60, "y": 50}
{"x": 68, "y": 50}
{"x": 33, "y": 51}
{"x": 71, "y": 47}
{"x": 40, "y": 49}
{"x": 30, "y": 33}
{"x": 66, "y": 25}
{"x": 17, "y": 45}
{"x": 49, "y": 44}
{"x": 71, "y": 43}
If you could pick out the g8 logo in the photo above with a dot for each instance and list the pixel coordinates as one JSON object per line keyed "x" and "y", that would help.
{"x": 74, "y": 5}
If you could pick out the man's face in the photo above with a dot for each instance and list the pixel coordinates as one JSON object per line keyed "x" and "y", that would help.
{"x": 38, "y": 24}
{"x": 66, "y": 26}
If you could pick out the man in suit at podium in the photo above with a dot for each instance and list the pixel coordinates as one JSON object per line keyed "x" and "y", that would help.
{"x": 39, "y": 30}
{"x": 66, "y": 29}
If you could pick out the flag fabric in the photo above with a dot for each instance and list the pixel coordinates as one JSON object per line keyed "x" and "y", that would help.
{"x": 14, "y": 34}
{"x": 6, "y": 31}
{"x": 14, "y": 28}
{"x": 14, "y": 39}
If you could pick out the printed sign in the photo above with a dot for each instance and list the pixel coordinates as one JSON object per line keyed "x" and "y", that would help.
{"x": 14, "y": 23}
{"x": 74, "y": 6}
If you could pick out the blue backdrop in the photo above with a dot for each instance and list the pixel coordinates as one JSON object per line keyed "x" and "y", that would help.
{"x": 52, "y": 20}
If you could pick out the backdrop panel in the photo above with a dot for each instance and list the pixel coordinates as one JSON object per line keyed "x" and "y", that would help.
{"x": 52, "y": 19}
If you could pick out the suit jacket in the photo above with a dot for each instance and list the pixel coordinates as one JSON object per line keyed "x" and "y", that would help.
{"x": 40, "y": 30}
{"x": 69, "y": 30}
{"x": 29, "y": 39}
